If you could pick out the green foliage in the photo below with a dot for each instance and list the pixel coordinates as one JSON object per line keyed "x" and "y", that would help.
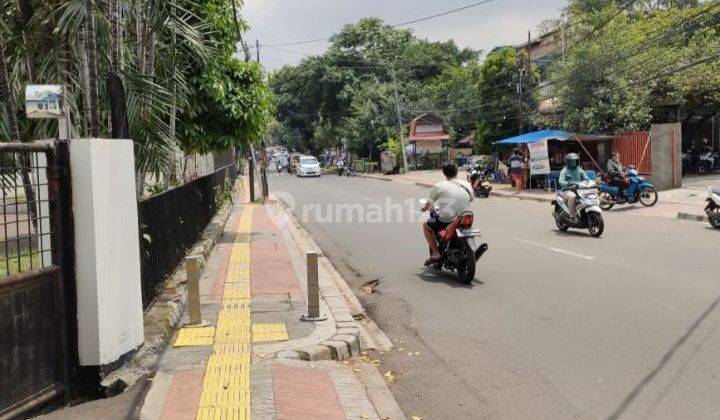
{"x": 619, "y": 79}
{"x": 224, "y": 192}
{"x": 182, "y": 85}
{"x": 349, "y": 91}
{"x": 393, "y": 145}
{"x": 232, "y": 106}
{"x": 500, "y": 78}
{"x": 481, "y": 137}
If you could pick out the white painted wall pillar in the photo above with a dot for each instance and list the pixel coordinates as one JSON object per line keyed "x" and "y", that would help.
{"x": 110, "y": 315}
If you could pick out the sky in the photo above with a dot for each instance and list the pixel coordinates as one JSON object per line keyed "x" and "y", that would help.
{"x": 500, "y": 22}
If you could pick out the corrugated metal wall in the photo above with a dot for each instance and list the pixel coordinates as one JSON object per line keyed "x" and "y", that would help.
{"x": 634, "y": 147}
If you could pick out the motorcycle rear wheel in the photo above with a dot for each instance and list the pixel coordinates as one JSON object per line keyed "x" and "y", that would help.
{"x": 648, "y": 197}
{"x": 561, "y": 225}
{"x": 714, "y": 220}
{"x": 466, "y": 268}
{"x": 596, "y": 224}
{"x": 606, "y": 201}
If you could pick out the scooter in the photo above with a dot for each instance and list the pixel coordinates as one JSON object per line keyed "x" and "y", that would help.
{"x": 713, "y": 207}
{"x": 457, "y": 245}
{"x": 708, "y": 162}
{"x": 636, "y": 189}
{"x": 479, "y": 180}
{"x": 588, "y": 214}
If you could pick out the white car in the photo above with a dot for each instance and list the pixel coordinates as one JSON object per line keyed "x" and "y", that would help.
{"x": 308, "y": 166}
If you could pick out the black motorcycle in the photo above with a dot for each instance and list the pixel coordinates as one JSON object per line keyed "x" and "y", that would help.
{"x": 708, "y": 162}
{"x": 457, "y": 246}
{"x": 480, "y": 181}
{"x": 713, "y": 207}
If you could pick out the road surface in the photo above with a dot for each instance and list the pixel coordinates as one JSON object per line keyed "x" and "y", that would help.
{"x": 557, "y": 325}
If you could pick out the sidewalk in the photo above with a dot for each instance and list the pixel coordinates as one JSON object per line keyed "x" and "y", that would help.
{"x": 682, "y": 203}
{"x": 256, "y": 359}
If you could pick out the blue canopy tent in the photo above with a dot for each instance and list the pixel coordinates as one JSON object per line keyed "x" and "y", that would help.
{"x": 558, "y": 135}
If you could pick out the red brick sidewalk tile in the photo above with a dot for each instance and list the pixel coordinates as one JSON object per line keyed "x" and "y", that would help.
{"x": 272, "y": 272}
{"x": 181, "y": 402}
{"x": 304, "y": 394}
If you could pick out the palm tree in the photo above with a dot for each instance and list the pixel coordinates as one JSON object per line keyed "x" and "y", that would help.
{"x": 6, "y": 91}
{"x": 9, "y": 102}
{"x": 92, "y": 70}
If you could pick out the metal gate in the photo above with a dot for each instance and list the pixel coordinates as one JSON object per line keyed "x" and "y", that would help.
{"x": 37, "y": 304}
{"x": 635, "y": 149}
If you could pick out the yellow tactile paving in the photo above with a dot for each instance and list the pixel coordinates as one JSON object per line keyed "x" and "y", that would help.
{"x": 226, "y": 386}
{"x": 190, "y": 336}
{"x": 229, "y": 413}
{"x": 275, "y": 331}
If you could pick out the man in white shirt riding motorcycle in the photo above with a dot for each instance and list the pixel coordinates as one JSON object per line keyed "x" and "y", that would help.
{"x": 452, "y": 197}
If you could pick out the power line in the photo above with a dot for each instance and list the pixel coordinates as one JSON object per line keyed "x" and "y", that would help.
{"x": 603, "y": 24}
{"x": 397, "y": 25}
{"x": 459, "y": 9}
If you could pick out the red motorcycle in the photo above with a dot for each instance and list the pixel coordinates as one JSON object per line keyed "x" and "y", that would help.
{"x": 457, "y": 245}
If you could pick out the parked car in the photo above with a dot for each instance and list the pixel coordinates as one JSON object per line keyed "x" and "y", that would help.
{"x": 308, "y": 166}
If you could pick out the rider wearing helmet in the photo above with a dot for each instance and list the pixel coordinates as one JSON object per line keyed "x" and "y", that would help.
{"x": 570, "y": 176}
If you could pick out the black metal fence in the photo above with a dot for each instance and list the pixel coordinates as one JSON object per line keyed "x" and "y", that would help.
{"x": 171, "y": 222}
{"x": 25, "y": 213}
{"x": 37, "y": 303}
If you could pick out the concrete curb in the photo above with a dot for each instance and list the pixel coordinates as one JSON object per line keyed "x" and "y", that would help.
{"x": 526, "y": 197}
{"x": 163, "y": 315}
{"x": 377, "y": 177}
{"x": 692, "y": 216}
{"x": 494, "y": 193}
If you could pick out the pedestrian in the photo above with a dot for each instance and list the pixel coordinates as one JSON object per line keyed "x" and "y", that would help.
{"x": 517, "y": 172}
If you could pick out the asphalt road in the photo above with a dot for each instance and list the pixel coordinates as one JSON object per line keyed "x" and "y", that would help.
{"x": 557, "y": 325}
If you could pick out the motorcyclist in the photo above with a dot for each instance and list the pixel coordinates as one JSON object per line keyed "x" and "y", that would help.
{"x": 570, "y": 176}
{"x": 452, "y": 197}
{"x": 340, "y": 164}
{"x": 616, "y": 172}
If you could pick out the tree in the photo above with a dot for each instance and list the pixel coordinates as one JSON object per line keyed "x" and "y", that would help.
{"x": 92, "y": 69}
{"x": 156, "y": 57}
{"x": 628, "y": 72}
{"x": 337, "y": 93}
{"x": 499, "y": 108}
{"x": 481, "y": 137}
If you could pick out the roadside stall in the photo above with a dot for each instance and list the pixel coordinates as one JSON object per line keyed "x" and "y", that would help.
{"x": 545, "y": 152}
{"x": 427, "y": 136}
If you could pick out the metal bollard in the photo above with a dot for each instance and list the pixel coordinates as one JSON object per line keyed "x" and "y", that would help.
{"x": 313, "y": 290}
{"x": 192, "y": 267}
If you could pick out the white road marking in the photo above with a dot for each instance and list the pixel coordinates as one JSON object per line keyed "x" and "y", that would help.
{"x": 558, "y": 250}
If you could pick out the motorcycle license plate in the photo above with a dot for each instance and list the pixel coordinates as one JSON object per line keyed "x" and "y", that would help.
{"x": 463, "y": 233}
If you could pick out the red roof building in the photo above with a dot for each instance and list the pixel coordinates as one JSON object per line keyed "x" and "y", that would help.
{"x": 427, "y": 134}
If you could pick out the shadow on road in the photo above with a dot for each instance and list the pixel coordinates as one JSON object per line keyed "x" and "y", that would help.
{"x": 571, "y": 232}
{"x": 627, "y": 208}
{"x": 635, "y": 393}
{"x": 431, "y": 275}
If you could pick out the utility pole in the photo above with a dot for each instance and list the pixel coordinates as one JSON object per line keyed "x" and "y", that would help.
{"x": 523, "y": 63}
{"x": 521, "y": 69}
{"x": 263, "y": 152}
{"x": 528, "y": 74}
{"x": 399, "y": 120}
